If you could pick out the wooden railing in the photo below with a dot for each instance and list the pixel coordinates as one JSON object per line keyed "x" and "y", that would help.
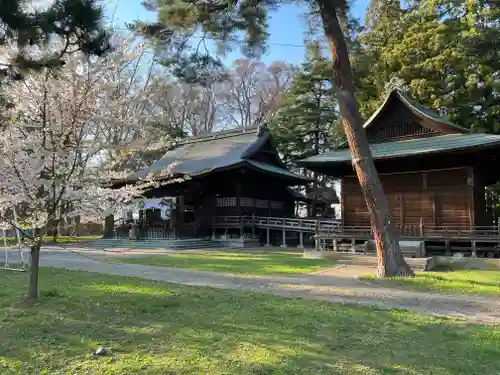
{"x": 297, "y": 224}
{"x": 333, "y": 228}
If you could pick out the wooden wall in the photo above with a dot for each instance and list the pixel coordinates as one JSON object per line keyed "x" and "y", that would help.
{"x": 249, "y": 190}
{"x": 439, "y": 198}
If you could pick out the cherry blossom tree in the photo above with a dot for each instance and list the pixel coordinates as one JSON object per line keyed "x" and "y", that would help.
{"x": 67, "y": 131}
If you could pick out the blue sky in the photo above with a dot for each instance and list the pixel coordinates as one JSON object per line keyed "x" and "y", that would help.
{"x": 286, "y": 28}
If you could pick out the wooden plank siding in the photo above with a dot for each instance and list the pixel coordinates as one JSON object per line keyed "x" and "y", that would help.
{"x": 438, "y": 198}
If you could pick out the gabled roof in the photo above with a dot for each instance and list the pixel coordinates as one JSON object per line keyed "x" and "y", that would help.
{"x": 223, "y": 150}
{"x": 417, "y": 146}
{"x": 416, "y": 108}
{"x": 429, "y": 117}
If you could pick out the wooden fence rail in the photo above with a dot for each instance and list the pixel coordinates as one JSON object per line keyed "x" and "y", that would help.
{"x": 329, "y": 228}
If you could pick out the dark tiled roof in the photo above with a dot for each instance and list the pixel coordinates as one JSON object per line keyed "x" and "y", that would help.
{"x": 204, "y": 154}
{"x": 419, "y": 146}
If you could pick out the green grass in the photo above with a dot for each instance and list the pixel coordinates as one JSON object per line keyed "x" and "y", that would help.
{"x": 450, "y": 281}
{"x": 237, "y": 262}
{"x": 12, "y": 241}
{"x": 164, "y": 329}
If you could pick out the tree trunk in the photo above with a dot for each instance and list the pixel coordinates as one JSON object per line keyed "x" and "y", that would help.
{"x": 390, "y": 259}
{"x": 34, "y": 271}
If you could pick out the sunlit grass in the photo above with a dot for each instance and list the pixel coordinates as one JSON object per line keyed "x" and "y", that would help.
{"x": 453, "y": 281}
{"x": 237, "y": 262}
{"x": 156, "y": 328}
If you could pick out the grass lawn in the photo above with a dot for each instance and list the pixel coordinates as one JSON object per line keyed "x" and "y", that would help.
{"x": 12, "y": 241}
{"x": 157, "y": 328}
{"x": 237, "y": 262}
{"x": 451, "y": 281}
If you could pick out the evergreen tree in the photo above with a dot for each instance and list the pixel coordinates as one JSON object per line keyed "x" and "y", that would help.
{"x": 308, "y": 118}
{"x": 307, "y": 123}
{"x": 444, "y": 52}
{"x": 76, "y": 22}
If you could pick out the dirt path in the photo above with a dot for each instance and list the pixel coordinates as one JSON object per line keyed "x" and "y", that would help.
{"x": 329, "y": 286}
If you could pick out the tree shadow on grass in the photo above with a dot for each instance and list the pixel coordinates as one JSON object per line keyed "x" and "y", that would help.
{"x": 238, "y": 263}
{"x": 156, "y": 328}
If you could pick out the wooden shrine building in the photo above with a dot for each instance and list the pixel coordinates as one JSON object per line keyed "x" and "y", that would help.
{"x": 229, "y": 173}
{"x": 433, "y": 172}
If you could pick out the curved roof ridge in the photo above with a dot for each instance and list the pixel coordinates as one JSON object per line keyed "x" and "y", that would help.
{"x": 235, "y": 132}
{"x": 427, "y": 112}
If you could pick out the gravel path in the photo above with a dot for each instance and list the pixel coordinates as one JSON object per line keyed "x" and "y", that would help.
{"x": 327, "y": 287}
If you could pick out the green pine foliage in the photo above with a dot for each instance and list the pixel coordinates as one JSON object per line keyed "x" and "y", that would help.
{"x": 76, "y": 22}
{"x": 307, "y": 123}
{"x": 443, "y": 50}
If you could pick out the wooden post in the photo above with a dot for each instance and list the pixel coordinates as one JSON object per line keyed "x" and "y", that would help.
{"x": 225, "y": 226}
{"x": 301, "y": 236}
{"x": 241, "y": 227}
{"x": 180, "y": 211}
{"x": 353, "y": 245}
{"x": 474, "y": 253}
{"x": 316, "y": 242}
{"x": 448, "y": 247}
{"x": 421, "y": 227}
{"x": 283, "y": 242}
{"x": 335, "y": 244}
{"x": 268, "y": 234}
{"x": 253, "y": 225}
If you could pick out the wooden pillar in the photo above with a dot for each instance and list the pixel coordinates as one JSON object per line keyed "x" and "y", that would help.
{"x": 471, "y": 208}
{"x": 316, "y": 242}
{"x": 474, "y": 253}
{"x": 268, "y": 237}
{"x": 180, "y": 211}
{"x": 422, "y": 227}
{"x": 335, "y": 244}
{"x": 283, "y": 234}
{"x": 238, "y": 197}
{"x": 401, "y": 211}
{"x": 447, "y": 247}
{"x": 301, "y": 235}
{"x": 353, "y": 245}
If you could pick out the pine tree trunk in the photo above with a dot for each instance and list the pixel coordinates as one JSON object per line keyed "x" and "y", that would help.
{"x": 34, "y": 272}
{"x": 390, "y": 259}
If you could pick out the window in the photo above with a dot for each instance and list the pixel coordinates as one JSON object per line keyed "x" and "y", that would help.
{"x": 226, "y": 202}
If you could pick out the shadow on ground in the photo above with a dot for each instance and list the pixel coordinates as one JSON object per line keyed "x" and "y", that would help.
{"x": 157, "y": 328}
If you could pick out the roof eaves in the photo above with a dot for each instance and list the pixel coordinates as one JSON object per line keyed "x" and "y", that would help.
{"x": 277, "y": 170}
{"x": 320, "y": 159}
